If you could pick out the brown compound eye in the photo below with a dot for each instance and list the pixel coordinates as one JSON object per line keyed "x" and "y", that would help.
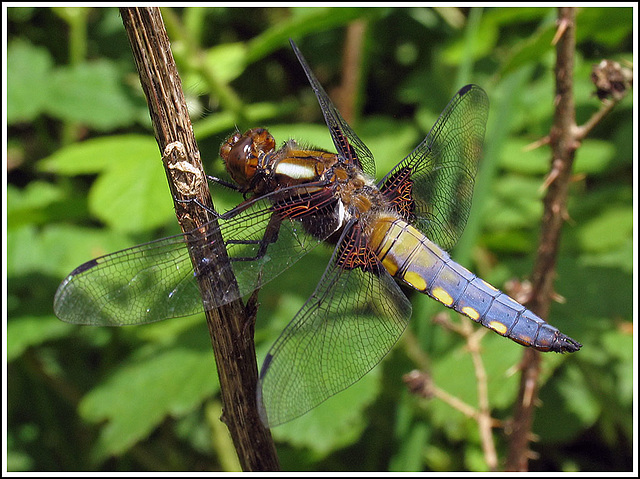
{"x": 240, "y": 159}
{"x": 244, "y": 154}
{"x": 226, "y": 147}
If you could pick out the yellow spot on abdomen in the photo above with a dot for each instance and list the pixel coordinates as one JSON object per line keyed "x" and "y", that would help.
{"x": 472, "y": 313}
{"x": 442, "y": 296}
{"x": 498, "y": 327}
{"x": 415, "y": 280}
{"x": 390, "y": 266}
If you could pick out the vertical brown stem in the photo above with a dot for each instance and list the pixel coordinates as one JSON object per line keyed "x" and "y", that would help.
{"x": 351, "y": 70}
{"x": 563, "y": 146}
{"x": 231, "y": 326}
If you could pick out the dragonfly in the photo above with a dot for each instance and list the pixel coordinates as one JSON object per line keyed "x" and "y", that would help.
{"x": 384, "y": 233}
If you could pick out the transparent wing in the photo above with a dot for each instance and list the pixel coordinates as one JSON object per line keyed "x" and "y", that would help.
{"x": 345, "y": 328}
{"x": 433, "y": 186}
{"x": 347, "y": 143}
{"x": 156, "y": 280}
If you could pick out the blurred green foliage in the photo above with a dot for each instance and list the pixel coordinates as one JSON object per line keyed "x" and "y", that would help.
{"x": 85, "y": 179}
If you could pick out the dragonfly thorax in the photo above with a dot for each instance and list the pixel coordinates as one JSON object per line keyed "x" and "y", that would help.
{"x": 257, "y": 167}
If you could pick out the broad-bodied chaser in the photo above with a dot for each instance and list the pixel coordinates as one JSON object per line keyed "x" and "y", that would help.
{"x": 394, "y": 230}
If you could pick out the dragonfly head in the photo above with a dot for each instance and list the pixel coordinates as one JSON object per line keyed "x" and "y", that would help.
{"x": 245, "y": 154}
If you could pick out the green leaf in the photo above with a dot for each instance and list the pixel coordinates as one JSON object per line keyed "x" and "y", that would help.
{"x": 99, "y": 154}
{"x": 131, "y": 193}
{"x": 516, "y": 158}
{"x": 304, "y": 21}
{"x": 336, "y": 423}
{"x": 458, "y": 51}
{"x": 618, "y": 343}
{"x": 620, "y": 258}
{"x": 138, "y": 397}
{"x": 57, "y": 249}
{"x": 28, "y": 205}
{"x": 29, "y": 84}
{"x": 608, "y": 231}
{"x": 92, "y": 94}
{"x": 132, "y": 197}
{"x": 306, "y": 134}
{"x": 389, "y": 140}
{"x": 89, "y": 93}
{"x": 31, "y": 331}
{"x": 515, "y": 203}
{"x": 595, "y": 296}
{"x": 569, "y": 407}
{"x": 532, "y": 49}
{"x": 606, "y": 25}
{"x": 409, "y": 456}
{"x": 593, "y": 157}
{"x": 224, "y": 63}
{"x": 228, "y": 60}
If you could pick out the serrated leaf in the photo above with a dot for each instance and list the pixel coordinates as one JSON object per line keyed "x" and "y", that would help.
{"x": 92, "y": 94}
{"x": 131, "y": 192}
{"x": 139, "y": 396}
{"x": 132, "y": 197}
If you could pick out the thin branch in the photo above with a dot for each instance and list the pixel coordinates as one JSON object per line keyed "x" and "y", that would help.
{"x": 352, "y": 68}
{"x": 612, "y": 81}
{"x": 421, "y": 383}
{"x": 484, "y": 418}
{"x": 231, "y": 326}
{"x": 563, "y": 146}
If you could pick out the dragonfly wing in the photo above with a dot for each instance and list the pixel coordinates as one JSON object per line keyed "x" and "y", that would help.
{"x": 347, "y": 143}
{"x": 156, "y": 280}
{"x": 142, "y": 284}
{"x": 345, "y": 328}
{"x": 433, "y": 186}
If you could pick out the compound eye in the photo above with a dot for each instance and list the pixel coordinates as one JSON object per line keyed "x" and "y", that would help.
{"x": 239, "y": 159}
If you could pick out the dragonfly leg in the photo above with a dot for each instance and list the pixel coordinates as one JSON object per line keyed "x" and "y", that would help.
{"x": 270, "y": 236}
{"x": 221, "y": 182}
{"x": 200, "y": 204}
